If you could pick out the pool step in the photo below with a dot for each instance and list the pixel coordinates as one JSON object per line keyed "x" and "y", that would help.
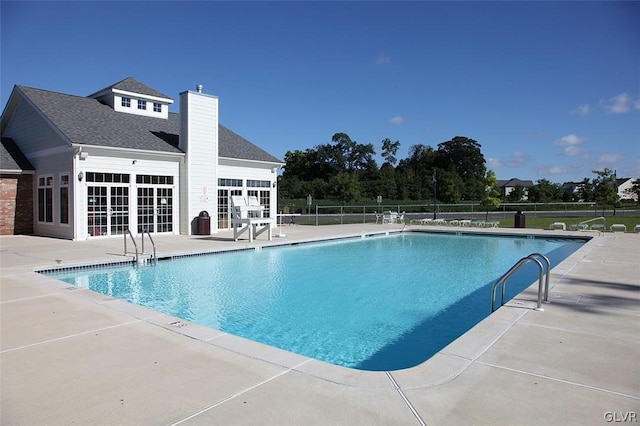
{"x": 145, "y": 258}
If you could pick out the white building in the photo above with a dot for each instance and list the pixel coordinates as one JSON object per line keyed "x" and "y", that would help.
{"x": 118, "y": 160}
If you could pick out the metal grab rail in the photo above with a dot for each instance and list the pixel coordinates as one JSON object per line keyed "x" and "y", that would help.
{"x": 604, "y": 222}
{"x": 128, "y": 231}
{"x": 155, "y": 258}
{"x": 503, "y": 280}
{"x": 546, "y": 281}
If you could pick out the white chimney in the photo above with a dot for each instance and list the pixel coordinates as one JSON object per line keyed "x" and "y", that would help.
{"x": 199, "y": 141}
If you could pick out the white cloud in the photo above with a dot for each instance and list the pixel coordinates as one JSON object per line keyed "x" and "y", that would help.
{"x": 397, "y": 120}
{"x": 609, "y": 158}
{"x": 383, "y": 59}
{"x": 583, "y": 110}
{"x": 517, "y": 159}
{"x": 551, "y": 170}
{"x": 572, "y": 151}
{"x": 618, "y": 104}
{"x": 493, "y": 163}
{"x": 571, "y": 143}
{"x": 569, "y": 140}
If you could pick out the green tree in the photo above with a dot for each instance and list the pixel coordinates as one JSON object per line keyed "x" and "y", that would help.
{"x": 585, "y": 190}
{"x": 463, "y": 157}
{"x": 491, "y": 192}
{"x": 545, "y": 192}
{"x": 345, "y": 187}
{"x": 605, "y": 188}
{"x": 389, "y": 151}
{"x": 414, "y": 173}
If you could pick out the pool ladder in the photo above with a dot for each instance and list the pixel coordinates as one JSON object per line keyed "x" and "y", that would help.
{"x": 533, "y": 257}
{"x": 140, "y": 260}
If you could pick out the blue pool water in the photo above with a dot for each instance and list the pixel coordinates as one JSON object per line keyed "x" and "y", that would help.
{"x": 376, "y": 303}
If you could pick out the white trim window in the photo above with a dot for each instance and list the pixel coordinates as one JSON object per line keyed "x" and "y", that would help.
{"x": 126, "y": 102}
{"x": 142, "y": 104}
{"x": 157, "y": 107}
{"x": 45, "y": 199}
{"x": 64, "y": 199}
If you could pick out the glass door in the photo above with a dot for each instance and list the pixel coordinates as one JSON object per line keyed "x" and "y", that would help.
{"x": 146, "y": 210}
{"x": 164, "y": 209}
{"x": 107, "y": 210}
{"x": 97, "y": 211}
{"x": 155, "y": 209}
{"x": 118, "y": 210}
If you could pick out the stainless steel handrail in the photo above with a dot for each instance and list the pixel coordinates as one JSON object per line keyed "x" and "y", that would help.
{"x": 153, "y": 244}
{"x": 503, "y": 280}
{"x": 128, "y": 231}
{"x": 546, "y": 281}
{"x": 584, "y": 222}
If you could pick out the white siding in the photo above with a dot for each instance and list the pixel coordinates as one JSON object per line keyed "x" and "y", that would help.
{"x": 126, "y": 163}
{"x": 54, "y": 165}
{"x": 199, "y": 139}
{"x": 133, "y": 109}
{"x": 30, "y": 131}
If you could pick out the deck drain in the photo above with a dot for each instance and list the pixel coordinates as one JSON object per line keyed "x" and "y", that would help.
{"x": 178, "y": 324}
{"x": 72, "y": 288}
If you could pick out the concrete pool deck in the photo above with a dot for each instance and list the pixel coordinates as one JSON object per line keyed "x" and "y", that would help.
{"x": 69, "y": 355}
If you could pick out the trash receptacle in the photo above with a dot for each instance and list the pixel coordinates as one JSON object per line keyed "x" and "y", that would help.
{"x": 204, "y": 223}
{"x": 519, "y": 221}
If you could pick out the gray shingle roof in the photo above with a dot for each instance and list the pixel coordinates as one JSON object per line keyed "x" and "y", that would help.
{"x": 513, "y": 182}
{"x": 11, "y": 158}
{"x": 232, "y": 145}
{"x": 88, "y": 122}
{"x": 130, "y": 84}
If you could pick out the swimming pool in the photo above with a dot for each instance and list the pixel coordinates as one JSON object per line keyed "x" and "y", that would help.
{"x": 376, "y": 303}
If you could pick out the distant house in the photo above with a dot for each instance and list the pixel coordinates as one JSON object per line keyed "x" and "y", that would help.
{"x": 623, "y": 184}
{"x": 507, "y": 186}
{"x": 624, "y": 189}
{"x": 92, "y": 167}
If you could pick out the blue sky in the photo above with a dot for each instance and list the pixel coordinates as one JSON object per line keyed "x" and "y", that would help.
{"x": 549, "y": 89}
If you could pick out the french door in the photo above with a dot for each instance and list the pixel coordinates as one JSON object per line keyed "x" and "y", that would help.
{"x": 107, "y": 210}
{"x": 155, "y": 209}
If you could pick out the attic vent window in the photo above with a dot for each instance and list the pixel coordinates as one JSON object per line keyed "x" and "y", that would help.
{"x": 142, "y": 105}
{"x": 126, "y": 102}
{"x": 157, "y": 107}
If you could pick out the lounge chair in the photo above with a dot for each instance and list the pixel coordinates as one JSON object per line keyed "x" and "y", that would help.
{"x": 248, "y": 218}
{"x": 388, "y": 217}
{"x": 378, "y": 217}
{"x": 618, "y": 227}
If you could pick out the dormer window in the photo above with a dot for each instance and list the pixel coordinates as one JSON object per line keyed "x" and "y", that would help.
{"x": 126, "y": 102}
{"x": 157, "y": 107}
{"x": 142, "y": 104}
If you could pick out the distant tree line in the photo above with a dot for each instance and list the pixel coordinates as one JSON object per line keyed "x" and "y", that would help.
{"x": 455, "y": 171}
{"x": 346, "y": 171}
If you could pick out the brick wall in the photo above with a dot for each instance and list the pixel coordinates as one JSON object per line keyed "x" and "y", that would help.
{"x": 16, "y": 204}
